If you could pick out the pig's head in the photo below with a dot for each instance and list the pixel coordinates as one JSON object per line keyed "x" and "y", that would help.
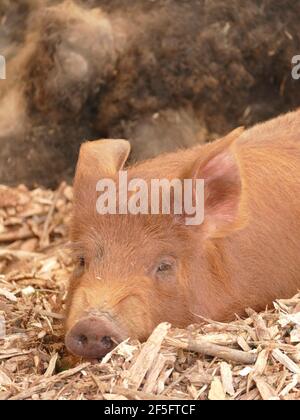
{"x": 135, "y": 271}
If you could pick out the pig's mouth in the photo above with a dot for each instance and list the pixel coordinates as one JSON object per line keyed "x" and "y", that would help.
{"x": 93, "y": 336}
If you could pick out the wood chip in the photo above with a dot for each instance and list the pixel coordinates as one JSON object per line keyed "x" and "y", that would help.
{"x": 286, "y": 361}
{"x": 294, "y": 382}
{"x": 5, "y": 380}
{"x": 155, "y": 371}
{"x": 216, "y": 391}
{"x": 8, "y": 295}
{"x": 137, "y": 372}
{"x": 52, "y": 365}
{"x": 261, "y": 362}
{"x": 227, "y": 379}
{"x": 265, "y": 390}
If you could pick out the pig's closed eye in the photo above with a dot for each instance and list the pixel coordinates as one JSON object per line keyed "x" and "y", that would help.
{"x": 80, "y": 266}
{"x": 81, "y": 262}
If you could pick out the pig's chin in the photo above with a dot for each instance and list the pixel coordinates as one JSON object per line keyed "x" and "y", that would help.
{"x": 94, "y": 335}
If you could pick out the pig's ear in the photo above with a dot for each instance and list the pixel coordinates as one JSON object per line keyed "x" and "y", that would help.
{"x": 222, "y": 186}
{"x": 102, "y": 157}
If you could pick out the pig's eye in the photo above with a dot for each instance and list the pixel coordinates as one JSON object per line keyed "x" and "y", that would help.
{"x": 81, "y": 262}
{"x": 165, "y": 268}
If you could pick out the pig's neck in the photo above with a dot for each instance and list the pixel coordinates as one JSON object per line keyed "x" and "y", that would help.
{"x": 250, "y": 268}
{"x": 232, "y": 279}
{"x": 215, "y": 297}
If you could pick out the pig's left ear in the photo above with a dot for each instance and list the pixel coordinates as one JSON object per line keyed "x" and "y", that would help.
{"x": 102, "y": 157}
{"x": 222, "y": 186}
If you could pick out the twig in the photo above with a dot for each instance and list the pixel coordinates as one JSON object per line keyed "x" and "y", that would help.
{"x": 12, "y": 355}
{"x": 19, "y": 254}
{"x": 225, "y": 353}
{"x": 23, "y": 233}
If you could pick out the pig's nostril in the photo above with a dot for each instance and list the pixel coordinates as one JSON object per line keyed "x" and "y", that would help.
{"x": 107, "y": 342}
{"x": 82, "y": 339}
{"x": 93, "y": 337}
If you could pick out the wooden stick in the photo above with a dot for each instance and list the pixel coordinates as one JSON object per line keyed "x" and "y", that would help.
{"x": 23, "y": 233}
{"x": 225, "y": 353}
{"x": 12, "y": 355}
{"x": 19, "y": 254}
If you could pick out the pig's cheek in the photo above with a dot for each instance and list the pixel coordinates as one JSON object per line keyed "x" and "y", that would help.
{"x": 134, "y": 314}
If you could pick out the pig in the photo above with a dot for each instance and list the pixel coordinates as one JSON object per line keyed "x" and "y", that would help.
{"x": 136, "y": 271}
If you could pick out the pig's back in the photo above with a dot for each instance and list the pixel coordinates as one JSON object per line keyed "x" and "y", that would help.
{"x": 282, "y": 131}
{"x": 269, "y": 158}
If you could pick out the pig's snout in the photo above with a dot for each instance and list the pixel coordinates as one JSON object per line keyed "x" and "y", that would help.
{"x": 93, "y": 337}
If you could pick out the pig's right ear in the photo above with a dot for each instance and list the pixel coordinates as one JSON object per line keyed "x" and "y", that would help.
{"x": 102, "y": 158}
{"x": 218, "y": 167}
